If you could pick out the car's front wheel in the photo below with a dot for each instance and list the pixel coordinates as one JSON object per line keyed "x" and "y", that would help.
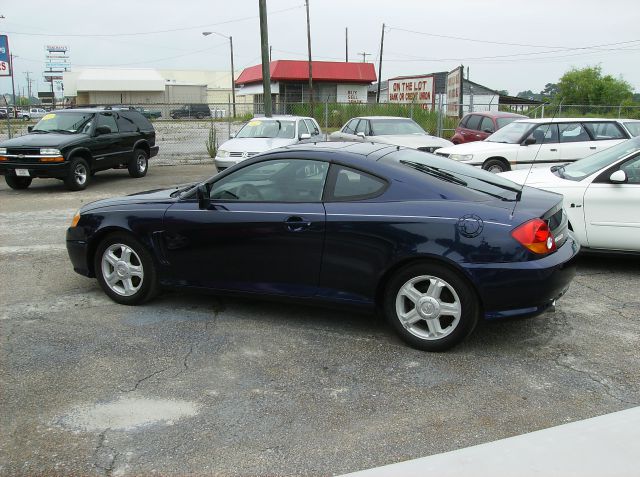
{"x": 430, "y": 306}
{"x": 125, "y": 270}
{"x": 139, "y": 164}
{"x": 18, "y": 183}
{"x": 78, "y": 175}
{"x": 496, "y": 166}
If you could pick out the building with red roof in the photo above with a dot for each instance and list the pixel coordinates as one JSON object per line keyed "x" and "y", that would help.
{"x": 333, "y": 81}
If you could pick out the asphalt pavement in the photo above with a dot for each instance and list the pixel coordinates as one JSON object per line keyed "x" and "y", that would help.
{"x": 204, "y": 385}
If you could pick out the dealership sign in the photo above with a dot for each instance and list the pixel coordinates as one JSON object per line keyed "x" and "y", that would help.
{"x": 5, "y": 58}
{"x": 454, "y": 92}
{"x": 416, "y": 89}
{"x": 351, "y": 93}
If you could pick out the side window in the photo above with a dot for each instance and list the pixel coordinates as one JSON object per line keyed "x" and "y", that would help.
{"x": 278, "y": 180}
{"x": 363, "y": 127}
{"x": 302, "y": 128}
{"x": 474, "y": 122}
{"x": 107, "y": 119}
{"x": 125, "y": 124}
{"x": 463, "y": 121}
{"x": 603, "y": 131}
{"x": 313, "y": 128}
{"x": 573, "y": 132}
{"x": 545, "y": 134}
{"x": 487, "y": 125}
{"x": 350, "y": 184}
{"x": 350, "y": 127}
{"x": 632, "y": 170}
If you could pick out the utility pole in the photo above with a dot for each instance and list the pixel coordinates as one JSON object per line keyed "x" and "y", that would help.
{"x": 380, "y": 65}
{"x": 310, "y": 67}
{"x": 364, "y": 56}
{"x": 264, "y": 42}
{"x": 346, "y": 45}
{"x": 270, "y": 51}
{"x": 233, "y": 79}
{"x": 29, "y": 81}
{"x": 13, "y": 89}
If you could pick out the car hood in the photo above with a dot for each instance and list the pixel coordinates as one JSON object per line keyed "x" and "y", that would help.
{"x": 536, "y": 177}
{"x": 139, "y": 198}
{"x": 479, "y": 147}
{"x": 255, "y": 144}
{"x": 413, "y": 141}
{"x": 44, "y": 140}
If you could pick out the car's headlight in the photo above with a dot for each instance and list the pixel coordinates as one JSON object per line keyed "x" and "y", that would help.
{"x": 3, "y": 150}
{"x": 223, "y": 153}
{"x": 461, "y": 157}
{"x": 76, "y": 219}
{"x": 48, "y": 151}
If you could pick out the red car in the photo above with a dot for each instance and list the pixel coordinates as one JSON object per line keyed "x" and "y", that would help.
{"x": 479, "y": 126}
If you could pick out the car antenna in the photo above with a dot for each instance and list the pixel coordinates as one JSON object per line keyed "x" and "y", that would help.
{"x": 524, "y": 182}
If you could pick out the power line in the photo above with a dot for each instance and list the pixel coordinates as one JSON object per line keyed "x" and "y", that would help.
{"x": 109, "y": 35}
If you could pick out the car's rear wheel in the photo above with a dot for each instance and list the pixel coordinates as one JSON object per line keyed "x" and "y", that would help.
{"x": 78, "y": 175}
{"x": 199, "y": 116}
{"x": 496, "y": 166}
{"x": 139, "y": 164}
{"x": 430, "y": 306}
{"x": 125, "y": 270}
{"x": 18, "y": 183}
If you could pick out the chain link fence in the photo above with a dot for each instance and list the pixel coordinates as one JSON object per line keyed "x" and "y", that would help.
{"x": 192, "y": 133}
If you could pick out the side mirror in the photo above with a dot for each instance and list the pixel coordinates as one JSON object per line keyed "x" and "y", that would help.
{"x": 103, "y": 130}
{"x": 529, "y": 141}
{"x": 29, "y": 128}
{"x": 488, "y": 131}
{"x": 204, "y": 200}
{"x": 618, "y": 177}
{"x": 304, "y": 136}
{"x": 232, "y": 135}
{"x": 360, "y": 134}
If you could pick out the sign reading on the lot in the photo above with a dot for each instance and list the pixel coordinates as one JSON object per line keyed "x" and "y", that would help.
{"x": 413, "y": 89}
{"x": 5, "y": 59}
{"x": 351, "y": 93}
{"x": 454, "y": 92}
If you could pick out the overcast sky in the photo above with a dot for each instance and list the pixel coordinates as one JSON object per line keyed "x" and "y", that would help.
{"x": 546, "y": 37}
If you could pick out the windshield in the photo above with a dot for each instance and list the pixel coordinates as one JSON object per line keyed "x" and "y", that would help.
{"x": 511, "y": 133}
{"x": 578, "y": 170}
{"x": 633, "y": 128}
{"x": 389, "y": 127}
{"x": 73, "y": 122}
{"x": 464, "y": 175}
{"x": 270, "y": 128}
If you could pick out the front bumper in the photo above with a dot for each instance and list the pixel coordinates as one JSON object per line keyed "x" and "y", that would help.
{"x": 226, "y": 162}
{"x": 525, "y": 288}
{"x": 56, "y": 170}
{"x": 153, "y": 151}
{"x": 78, "y": 248}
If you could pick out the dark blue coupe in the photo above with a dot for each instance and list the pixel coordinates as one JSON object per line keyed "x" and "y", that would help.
{"x": 433, "y": 243}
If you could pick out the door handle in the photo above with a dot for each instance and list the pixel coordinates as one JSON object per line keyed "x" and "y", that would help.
{"x": 553, "y": 150}
{"x": 296, "y": 224}
{"x": 593, "y": 147}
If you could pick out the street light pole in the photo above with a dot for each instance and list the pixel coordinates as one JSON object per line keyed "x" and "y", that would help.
{"x": 233, "y": 79}
{"x": 13, "y": 90}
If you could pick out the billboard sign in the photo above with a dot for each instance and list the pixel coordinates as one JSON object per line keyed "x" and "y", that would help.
{"x": 56, "y": 48}
{"x": 5, "y": 58}
{"x": 413, "y": 89}
{"x": 351, "y": 93}
{"x": 454, "y": 92}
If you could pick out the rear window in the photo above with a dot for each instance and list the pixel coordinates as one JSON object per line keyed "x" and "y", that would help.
{"x": 474, "y": 122}
{"x": 502, "y": 122}
{"x": 138, "y": 119}
{"x": 604, "y": 130}
{"x": 477, "y": 183}
{"x": 633, "y": 128}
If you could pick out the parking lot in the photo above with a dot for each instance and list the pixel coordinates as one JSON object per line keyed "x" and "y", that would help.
{"x": 209, "y": 385}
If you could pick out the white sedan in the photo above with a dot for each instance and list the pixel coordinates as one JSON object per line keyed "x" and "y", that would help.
{"x": 601, "y": 195}
{"x": 393, "y": 130}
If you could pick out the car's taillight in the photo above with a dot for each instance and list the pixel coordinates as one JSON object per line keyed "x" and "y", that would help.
{"x": 536, "y": 236}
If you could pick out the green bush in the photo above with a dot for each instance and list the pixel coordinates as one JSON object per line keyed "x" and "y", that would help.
{"x": 212, "y": 141}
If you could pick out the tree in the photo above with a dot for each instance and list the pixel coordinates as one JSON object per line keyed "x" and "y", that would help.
{"x": 503, "y": 92}
{"x": 549, "y": 91}
{"x": 528, "y": 94}
{"x": 589, "y": 86}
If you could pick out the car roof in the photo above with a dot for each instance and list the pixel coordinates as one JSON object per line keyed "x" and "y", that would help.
{"x": 382, "y": 117}
{"x": 497, "y": 114}
{"x": 363, "y": 149}
{"x": 566, "y": 120}
{"x": 276, "y": 117}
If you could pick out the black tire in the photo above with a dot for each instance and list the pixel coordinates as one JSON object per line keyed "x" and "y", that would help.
{"x": 148, "y": 282}
{"x": 139, "y": 165}
{"x": 79, "y": 174}
{"x": 496, "y": 166}
{"x": 418, "y": 334}
{"x": 199, "y": 116}
{"x": 18, "y": 183}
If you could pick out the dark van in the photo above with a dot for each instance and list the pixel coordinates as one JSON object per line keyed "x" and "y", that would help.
{"x": 198, "y": 111}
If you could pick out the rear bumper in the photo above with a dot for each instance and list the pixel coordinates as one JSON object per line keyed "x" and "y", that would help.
{"x": 525, "y": 288}
{"x": 57, "y": 170}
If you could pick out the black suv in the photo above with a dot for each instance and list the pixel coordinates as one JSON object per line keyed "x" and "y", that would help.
{"x": 198, "y": 111}
{"x": 73, "y": 144}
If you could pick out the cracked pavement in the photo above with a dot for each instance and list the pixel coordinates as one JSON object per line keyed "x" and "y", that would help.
{"x": 207, "y": 385}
